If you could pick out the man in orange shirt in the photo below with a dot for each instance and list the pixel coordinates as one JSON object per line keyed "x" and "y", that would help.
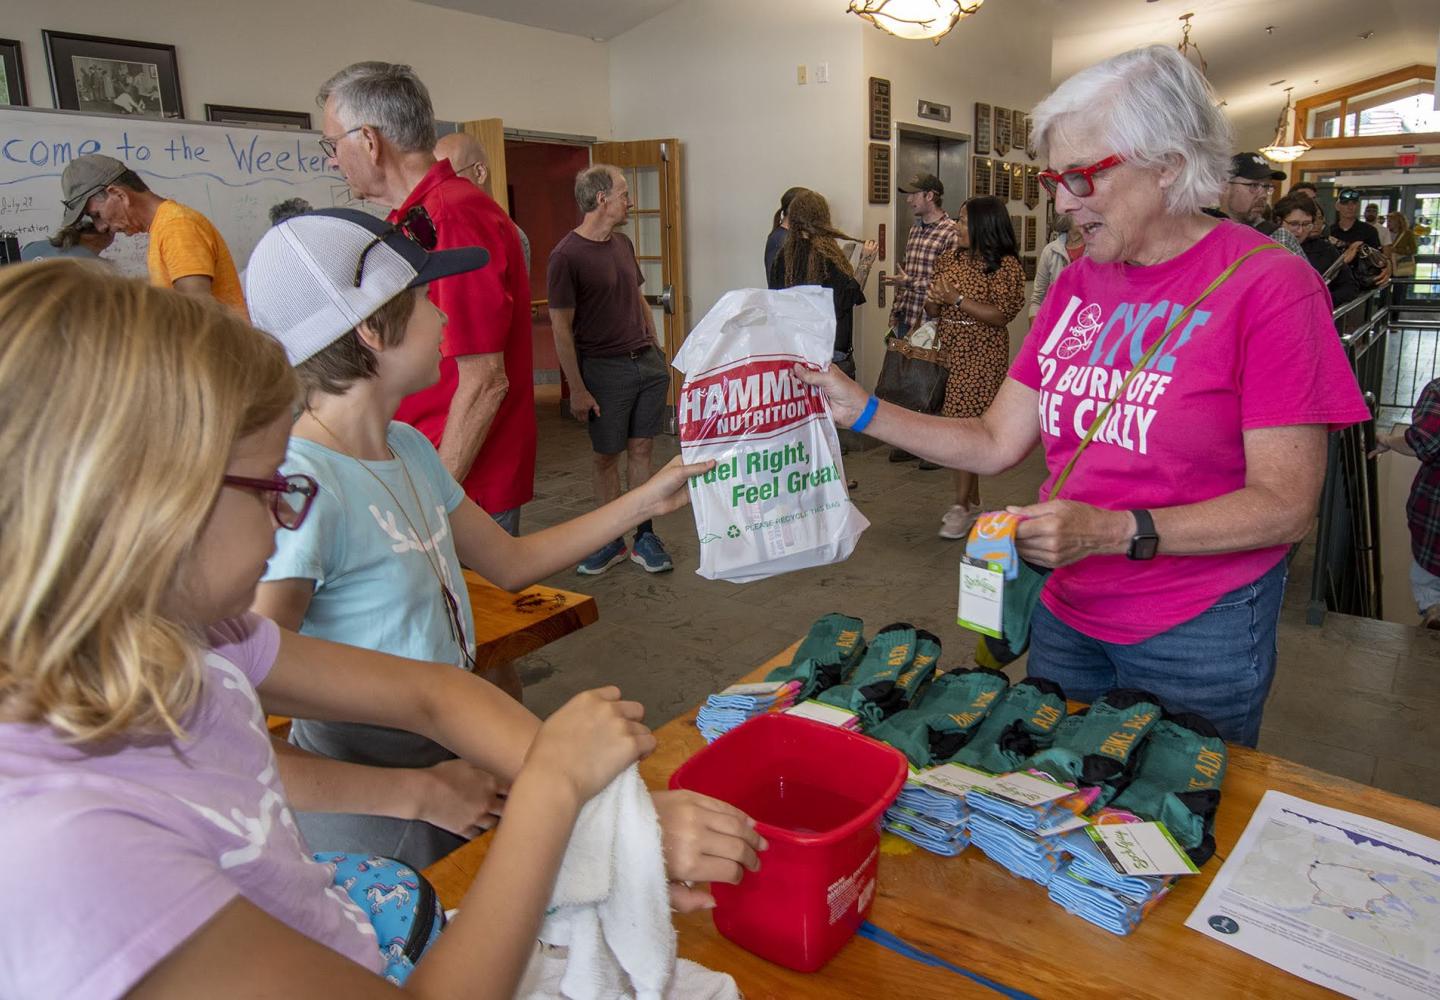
{"x": 186, "y": 253}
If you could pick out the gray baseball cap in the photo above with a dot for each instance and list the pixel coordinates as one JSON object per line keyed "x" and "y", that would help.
{"x": 84, "y": 177}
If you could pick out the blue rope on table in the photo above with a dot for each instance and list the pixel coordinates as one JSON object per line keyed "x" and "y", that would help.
{"x": 884, "y": 938}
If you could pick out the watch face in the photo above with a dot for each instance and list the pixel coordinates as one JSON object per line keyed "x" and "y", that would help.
{"x": 1144, "y": 546}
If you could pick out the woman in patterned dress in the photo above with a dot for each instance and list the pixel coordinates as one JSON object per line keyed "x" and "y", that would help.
{"x": 978, "y": 288}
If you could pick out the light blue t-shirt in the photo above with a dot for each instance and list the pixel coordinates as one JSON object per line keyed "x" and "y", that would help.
{"x": 374, "y": 585}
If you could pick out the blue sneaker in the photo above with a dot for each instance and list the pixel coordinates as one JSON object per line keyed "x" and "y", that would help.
{"x": 650, "y": 554}
{"x": 602, "y": 560}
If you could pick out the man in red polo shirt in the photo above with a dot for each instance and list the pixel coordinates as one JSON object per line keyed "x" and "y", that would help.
{"x": 379, "y": 129}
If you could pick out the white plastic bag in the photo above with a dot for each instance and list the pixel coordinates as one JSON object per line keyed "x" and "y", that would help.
{"x": 776, "y": 500}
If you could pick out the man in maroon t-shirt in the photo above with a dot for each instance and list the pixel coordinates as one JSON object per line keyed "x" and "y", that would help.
{"x": 481, "y": 414}
{"x": 608, "y": 350}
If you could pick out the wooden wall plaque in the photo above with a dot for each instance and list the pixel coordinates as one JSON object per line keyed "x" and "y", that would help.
{"x": 879, "y": 163}
{"x": 880, "y": 110}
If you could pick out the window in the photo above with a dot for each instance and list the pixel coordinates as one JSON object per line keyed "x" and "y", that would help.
{"x": 1397, "y": 105}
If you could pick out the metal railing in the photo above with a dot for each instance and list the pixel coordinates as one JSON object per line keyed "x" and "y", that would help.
{"x": 1346, "y": 575}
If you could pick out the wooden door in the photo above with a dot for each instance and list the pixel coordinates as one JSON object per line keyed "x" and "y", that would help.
{"x": 652, "y": 170}
{"x": 491, "y": 133}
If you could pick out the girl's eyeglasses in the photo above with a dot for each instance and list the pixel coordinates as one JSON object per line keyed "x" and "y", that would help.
{"x": 290, "y": 496}
{"x": 416, "y": 226}
{"x": 1079, "y": 181}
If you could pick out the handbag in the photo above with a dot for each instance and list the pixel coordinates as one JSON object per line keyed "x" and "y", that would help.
{"x": 1024, "y": 591}
{"x": 912, "y": 376}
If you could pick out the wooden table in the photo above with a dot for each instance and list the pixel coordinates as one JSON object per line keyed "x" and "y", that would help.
{"x": 975, "y": 914}
{"x": 507, "y": 626}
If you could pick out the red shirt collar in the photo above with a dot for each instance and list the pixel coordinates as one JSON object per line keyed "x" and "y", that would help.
{"x": 441, "y": 172}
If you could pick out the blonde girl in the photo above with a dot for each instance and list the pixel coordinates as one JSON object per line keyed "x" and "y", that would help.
{"x": 141, "y": 433}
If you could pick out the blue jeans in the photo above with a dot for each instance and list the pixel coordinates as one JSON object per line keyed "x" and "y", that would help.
{"x": 1219, "y": 663}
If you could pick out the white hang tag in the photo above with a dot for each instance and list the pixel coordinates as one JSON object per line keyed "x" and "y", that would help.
{"x": 982, "y": 597}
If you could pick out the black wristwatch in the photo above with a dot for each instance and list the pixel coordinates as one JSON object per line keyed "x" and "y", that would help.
{"x": 1144, "y": 543}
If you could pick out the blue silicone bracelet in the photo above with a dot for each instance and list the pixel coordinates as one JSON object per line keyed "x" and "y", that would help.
{"x": 866, "y": 415}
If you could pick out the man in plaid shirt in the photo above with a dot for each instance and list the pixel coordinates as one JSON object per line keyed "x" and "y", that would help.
{"x": 1421, "y": 438}
{"x": 930, "y": 235}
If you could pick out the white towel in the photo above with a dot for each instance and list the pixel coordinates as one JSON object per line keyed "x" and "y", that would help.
{"x": 611, "y": 907}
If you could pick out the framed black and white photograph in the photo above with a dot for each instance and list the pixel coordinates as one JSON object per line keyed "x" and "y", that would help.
{"x": 980, "y": 171}
{"x": 230, "y": 114}
{"x": 113, "y": 75}
{"x": 982, "y": 127}
{"x": 12, "y": 74}
{"x": 1001, "y": 185}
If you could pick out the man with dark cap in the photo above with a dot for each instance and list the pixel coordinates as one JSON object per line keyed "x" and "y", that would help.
{"x": 1247, "y": 192}
{"x": 1349, "y": 227}
{"x": 931, "y": 234}
{"x": 187, "y": 253}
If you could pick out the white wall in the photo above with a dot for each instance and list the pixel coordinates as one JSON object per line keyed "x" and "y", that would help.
{"x": 1001, "y": 57}
{"x": 276, "y": 53}
{"x": 721, "y": 78}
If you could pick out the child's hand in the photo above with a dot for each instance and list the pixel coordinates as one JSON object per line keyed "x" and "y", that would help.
{"x": 705, "y": 840}
{"x": 667, "y": 489}
{"x": 461, "y": 798}
{"x": 591, "y": 739}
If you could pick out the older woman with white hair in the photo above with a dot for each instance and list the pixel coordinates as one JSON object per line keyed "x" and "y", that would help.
{"x": 1181, "y": 378}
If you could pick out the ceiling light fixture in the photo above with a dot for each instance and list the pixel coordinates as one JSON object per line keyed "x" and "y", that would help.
{"x": 1278, "y": 151}
{"x": 915, "y": 19}
{"x": 1186, "y": 46}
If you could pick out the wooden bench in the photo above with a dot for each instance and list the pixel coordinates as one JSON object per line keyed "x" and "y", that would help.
{"x": 507, "y": 626}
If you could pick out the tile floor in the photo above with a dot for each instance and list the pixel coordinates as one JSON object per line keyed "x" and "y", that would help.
{"x": 1354, "y": 697}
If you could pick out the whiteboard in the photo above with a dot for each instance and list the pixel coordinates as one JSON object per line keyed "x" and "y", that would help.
{"x": 230, "y": 174}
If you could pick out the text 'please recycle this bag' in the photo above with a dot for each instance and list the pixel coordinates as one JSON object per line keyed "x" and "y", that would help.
{"x": 776, "y": 500}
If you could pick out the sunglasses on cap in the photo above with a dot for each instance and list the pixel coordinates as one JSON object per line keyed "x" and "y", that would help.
{"x": 416, "y": 226}
{"x": 1348, "y": 194}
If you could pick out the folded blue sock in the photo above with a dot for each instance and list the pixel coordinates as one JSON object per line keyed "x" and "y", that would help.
{"x": 1015, "y": 850}
{"x": 1094, "y": 903}
{"x": 938, "y": 805}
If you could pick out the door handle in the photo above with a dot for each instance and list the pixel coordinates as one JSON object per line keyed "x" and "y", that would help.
{"x": 665, "y": 300}
{"x": 881, "y": 290}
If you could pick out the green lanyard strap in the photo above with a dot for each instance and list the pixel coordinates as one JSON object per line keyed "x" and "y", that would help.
{"x": 1146, "y": 358}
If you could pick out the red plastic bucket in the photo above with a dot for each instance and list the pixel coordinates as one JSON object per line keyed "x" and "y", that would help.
{"x": 816, "y": 794}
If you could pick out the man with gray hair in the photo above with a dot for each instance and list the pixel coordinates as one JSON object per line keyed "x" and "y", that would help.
{"x": 379, "y": 130}
{"x": 469, "y": 160}
{"x": 608, "y": 350}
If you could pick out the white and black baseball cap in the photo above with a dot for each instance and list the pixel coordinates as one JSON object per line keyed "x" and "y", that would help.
{"x": 301, "y": 281}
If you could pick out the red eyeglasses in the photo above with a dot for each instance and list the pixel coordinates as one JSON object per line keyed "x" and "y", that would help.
{"x": 290, "y": 496}
{"x": 1079, "y": 181}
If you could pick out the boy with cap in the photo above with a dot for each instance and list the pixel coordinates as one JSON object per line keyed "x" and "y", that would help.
{"x": 1247, "y": 192}
{"x": 377, "y": 562}
{"x": 187, "y": 253}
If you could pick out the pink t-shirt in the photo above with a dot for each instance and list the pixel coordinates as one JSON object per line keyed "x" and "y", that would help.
{"x": 121, "y": 854}
{"x": 1260, "y": 352}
